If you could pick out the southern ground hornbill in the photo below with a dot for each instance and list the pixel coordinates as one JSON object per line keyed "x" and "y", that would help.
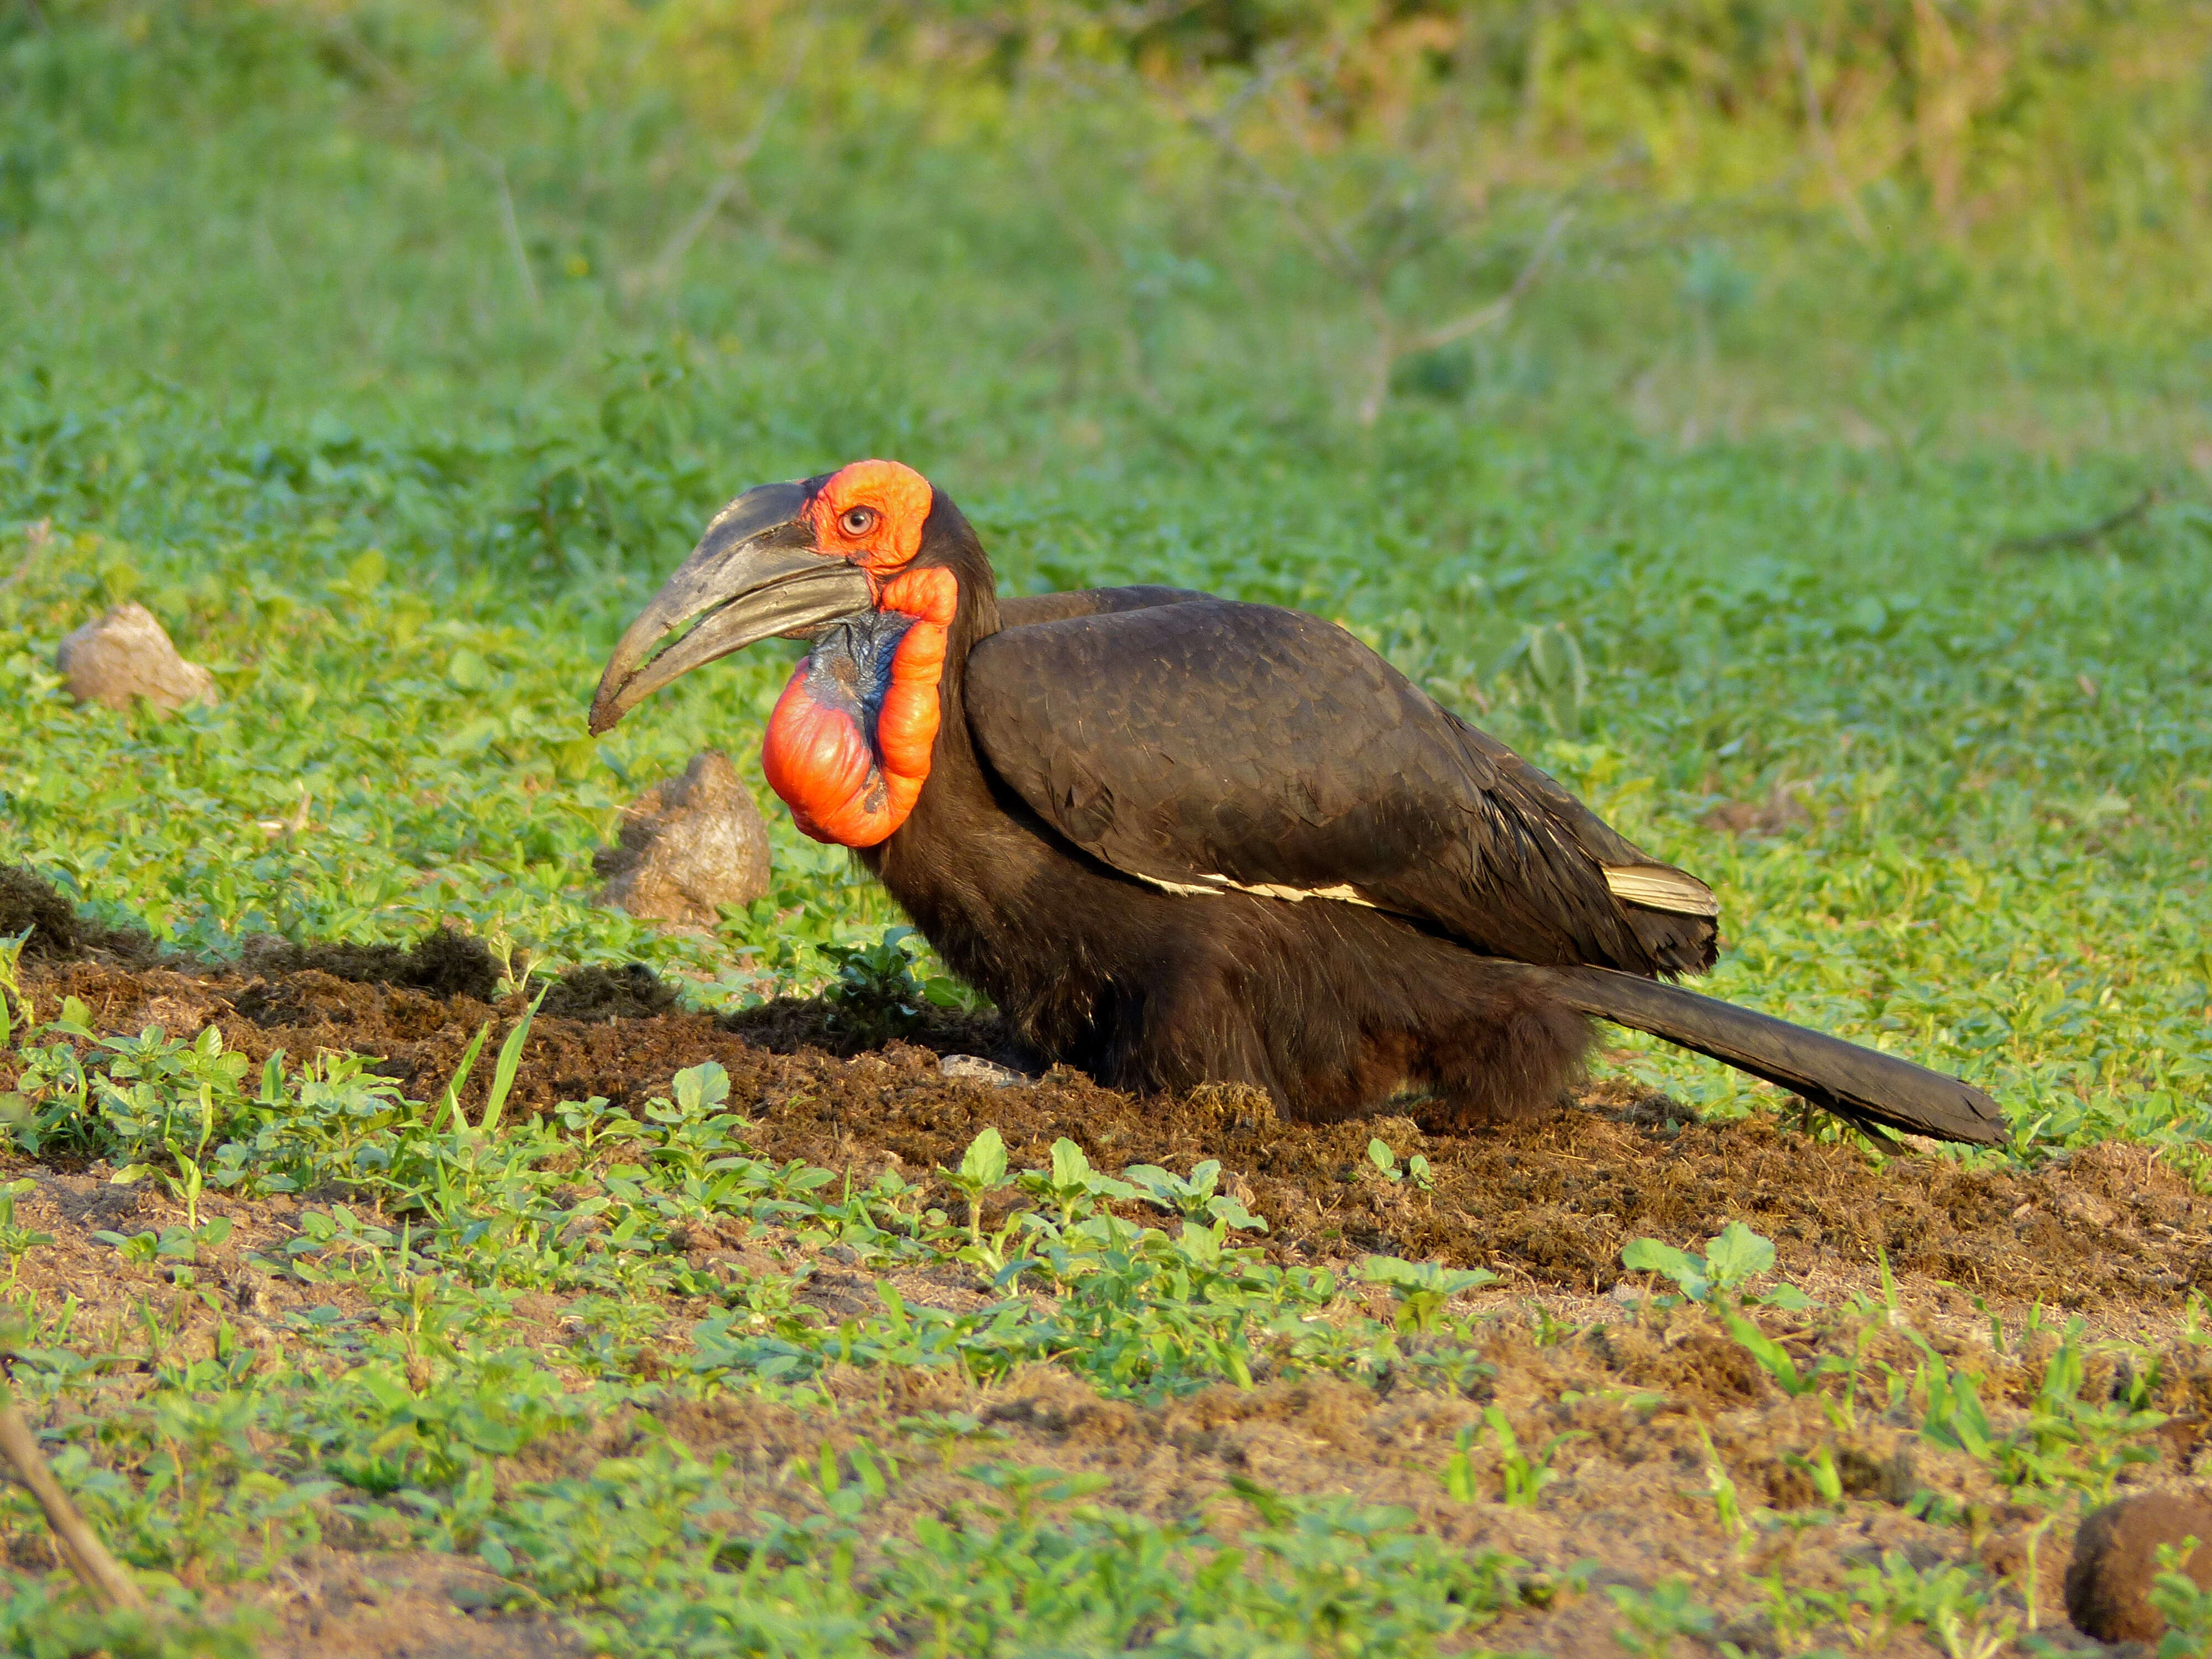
{"x": 1181, "y": 840}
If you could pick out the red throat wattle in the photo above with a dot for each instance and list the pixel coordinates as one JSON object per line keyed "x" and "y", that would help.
{"x": 849, "y": 744}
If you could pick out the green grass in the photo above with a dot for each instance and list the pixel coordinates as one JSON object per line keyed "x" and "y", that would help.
{"x": 2004, "y": 764}
{"x": 275, "y": 365}
{"x": 416, "y": 1406}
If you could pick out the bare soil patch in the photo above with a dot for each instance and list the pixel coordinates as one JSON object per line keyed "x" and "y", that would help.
{"x": 1548, "y": 1205}
{"x": 1653, "y": 1398}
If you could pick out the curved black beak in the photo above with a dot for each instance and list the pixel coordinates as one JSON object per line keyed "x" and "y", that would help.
{"x": 754, "y": 574}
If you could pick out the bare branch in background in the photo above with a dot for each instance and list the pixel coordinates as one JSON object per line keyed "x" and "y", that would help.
{"x": 2081, "y": 535}
{"x": 731, "y": 178}
{"x": 514, "y": 243}
{"x": 510, "y": 224}
{"x": 1816, "y": 123}
{"x": 1394, "y": 346}
{"x": 35, "y": 537}
{"x": 1326, "y": 241}
{"x": 340, "y": 31}
{"x": 1134, "y": 20}
{"x": 1483, "y": 316}
{"x": 1332, "y": 240}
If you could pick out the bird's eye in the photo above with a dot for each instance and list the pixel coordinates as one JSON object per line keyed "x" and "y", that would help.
{"x": 857, "y": 520}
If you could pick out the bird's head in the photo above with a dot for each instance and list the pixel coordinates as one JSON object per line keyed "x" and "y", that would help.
{"x": 868, "y": 561}
{"x": 783, "y": 560}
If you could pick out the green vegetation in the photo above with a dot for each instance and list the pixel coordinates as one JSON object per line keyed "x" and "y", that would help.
{"x": 277, "y": 372}
{"x": 408, "y": 1390}
{"x": 389, "y": 352}
{"x": 415, "y": 1403}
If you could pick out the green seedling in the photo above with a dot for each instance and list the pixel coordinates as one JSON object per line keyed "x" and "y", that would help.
{"x": 177, "y": 1245}
{"x": 2183, "y": 1603}
{"x": 1386, "y": 1161}
{"x": 449, "y": 1107}
{"x": 1195, "y": 1197}
{"x": 2030, "y": 1590}
{"x": 1880, "y": 1601}
{"x": 982, "y": 1171}
{"x": 1423, "y": 1289}
{"x": 15, "y": 1007}
{"x": 1651, "y": 1621}
{"x": 1820, "y": 1469}
{"x": 17, "y": 1241}
{"x": 1720, "y": 1487}
{"x": 1730, "y": 1260}
{"x": 503, "y": 1073}
{"x": 1071, "y": 1185}
{"x": 1522, "y": 1475}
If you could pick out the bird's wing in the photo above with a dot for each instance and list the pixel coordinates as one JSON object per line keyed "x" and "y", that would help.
{"x": 1208, "y": 746}
{"x": 1027, "y": 610}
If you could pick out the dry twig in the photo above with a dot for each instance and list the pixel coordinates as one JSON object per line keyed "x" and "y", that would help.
{"x": 2081, "y": 535}
{"x": 101, "y": 1574}
{"x": 34, "y": 543}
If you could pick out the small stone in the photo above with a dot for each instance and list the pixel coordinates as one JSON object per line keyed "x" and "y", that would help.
{"x": 972, "y": 1069}
{"x": 2115, "y": 1562}
{"x": 688, "y": 845}
{"x": 127, "y": 654}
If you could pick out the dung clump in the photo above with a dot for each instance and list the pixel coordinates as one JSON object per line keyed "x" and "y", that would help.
{"x": 29, "y": 905}
{"x": 33, "y": 909}
{"x": 2115, "y": 1562}
{"x": 445, "y": 962}
{"x": 633, "y": 991}
{"x": 688, "y": 845}
{"x": 125, "y": 655}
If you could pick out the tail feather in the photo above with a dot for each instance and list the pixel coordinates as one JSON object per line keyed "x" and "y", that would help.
{"x": 1860, "y": 1085}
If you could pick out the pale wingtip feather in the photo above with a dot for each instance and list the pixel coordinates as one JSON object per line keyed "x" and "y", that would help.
{"x": 1656, "y": 887}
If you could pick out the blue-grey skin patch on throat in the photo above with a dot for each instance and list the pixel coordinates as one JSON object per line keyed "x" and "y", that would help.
{"x": 850, "y": 666}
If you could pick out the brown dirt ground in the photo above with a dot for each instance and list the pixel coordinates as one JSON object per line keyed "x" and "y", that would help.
{"x": 2108, "y": 1232}
{"x": 1548, "y": 1205}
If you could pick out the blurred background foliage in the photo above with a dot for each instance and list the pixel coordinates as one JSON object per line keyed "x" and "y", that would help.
{"x": 615, "y": 258}
{"x": 1324, "y": 199}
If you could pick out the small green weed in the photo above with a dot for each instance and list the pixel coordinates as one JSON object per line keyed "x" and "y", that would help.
{"x": 1730, "y": 1260}
{"x": 1522, "y": 1475}
{"x": 2186, "y": 1607}
{"x": 1386, "y": 1162}
{"x": 1423, "y": 1289}
{"x": 1651, "y": 1621}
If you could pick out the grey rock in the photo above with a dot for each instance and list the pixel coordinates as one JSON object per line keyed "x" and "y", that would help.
{"x": 688, "y": 846}
{"x": 127, "y": 654}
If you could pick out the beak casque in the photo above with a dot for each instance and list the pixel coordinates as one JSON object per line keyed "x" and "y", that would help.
{"x": 755, "y": 574}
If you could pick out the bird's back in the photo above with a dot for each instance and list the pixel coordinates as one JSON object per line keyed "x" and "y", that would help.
{"x": 1206, "y": 745}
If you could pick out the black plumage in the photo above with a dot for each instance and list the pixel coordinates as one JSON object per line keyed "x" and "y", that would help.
{"x": 1179, "y": 840}
{"x": 1112, "y": 741}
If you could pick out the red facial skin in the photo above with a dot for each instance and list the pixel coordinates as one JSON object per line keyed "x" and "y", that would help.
{"x": 816, "y": 756}
{"x": 898, "y": 497}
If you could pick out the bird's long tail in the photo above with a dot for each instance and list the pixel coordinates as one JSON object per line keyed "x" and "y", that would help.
{"x": 1858, "y": 1084}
